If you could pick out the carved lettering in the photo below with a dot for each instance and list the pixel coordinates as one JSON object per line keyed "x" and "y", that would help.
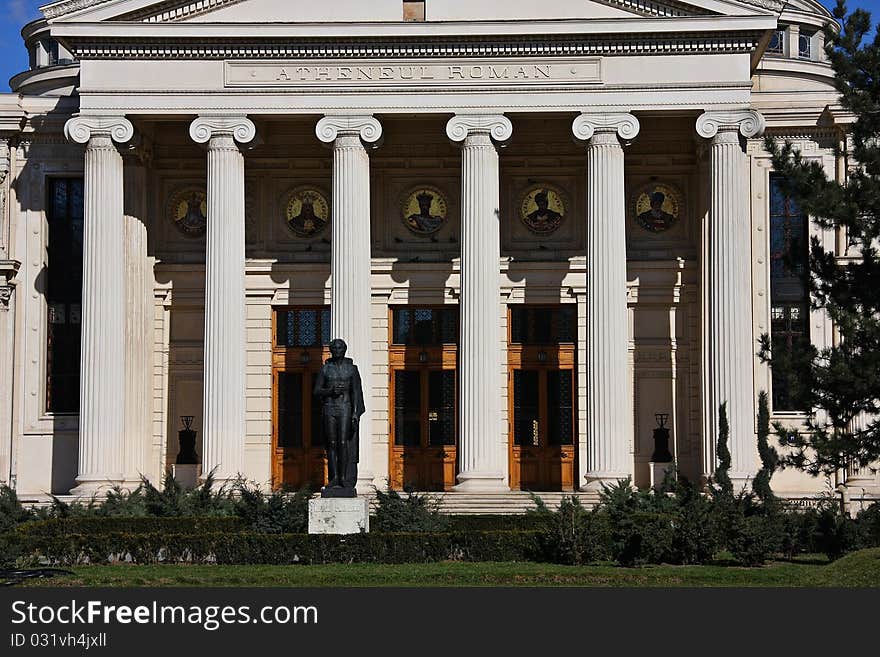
{"x": 474, "y": 71}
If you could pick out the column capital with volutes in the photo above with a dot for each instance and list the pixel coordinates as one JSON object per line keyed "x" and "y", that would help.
{"x": 586, "y": 125}
{"x": 497, "y": 126}
{"x": 748, "y": 122}
{"x": 365, "y": 126}
{"x": 238, "y": 127}
{"x": 80, "y": 129}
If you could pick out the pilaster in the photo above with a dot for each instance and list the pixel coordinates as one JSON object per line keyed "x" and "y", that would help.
{"x": 609, "y": 394}
{"x": 351, "y": 268}
{"x": 224, "y": 425}
{"x": 481, "y": 458}
{"x": 102, "y": 360}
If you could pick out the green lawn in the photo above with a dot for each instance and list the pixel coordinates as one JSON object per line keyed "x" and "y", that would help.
{"x": 858, "y": 569}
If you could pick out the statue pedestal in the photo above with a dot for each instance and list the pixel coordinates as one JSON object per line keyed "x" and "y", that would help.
{"x": 187, "y": 475}
{"x": 339, "y": 515}
{"x": 658, "y": 472}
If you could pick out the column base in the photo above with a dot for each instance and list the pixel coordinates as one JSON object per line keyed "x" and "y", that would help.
{"x": 477, "y": 482}
{"x": 89, "y": 488}
{"x": 365, "y": 484}
{"x": 226, "y": 481}
{"x": 742, "y": 481}
{"x": 597, "y": 481}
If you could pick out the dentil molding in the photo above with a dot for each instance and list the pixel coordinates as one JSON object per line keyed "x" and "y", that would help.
{"x": 331, "y": 126}
{"x": 240, "y": 128}
{"x": 749, "y": 122}
{"x": 498, "y": 126}
{"x": 585, "y": 125}
{"x": 80, "y": 129}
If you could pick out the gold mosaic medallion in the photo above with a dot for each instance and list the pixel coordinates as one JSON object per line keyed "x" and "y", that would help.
{"x": 542, "y": 209}
{"x": 188, "y": 210}
{"x": 424, "y": 210}
{"x": 306, "y": 211}
{"x": 657, "y": 207}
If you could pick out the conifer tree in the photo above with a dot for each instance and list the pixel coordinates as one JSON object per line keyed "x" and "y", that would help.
{"x": 841, "y": 381}
{"x": 721, "y": 476}
{"x": 769, "y": 456}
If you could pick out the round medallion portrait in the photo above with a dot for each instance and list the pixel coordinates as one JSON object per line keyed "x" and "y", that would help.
{"x": 306, "y": 211}
{"x": 424, "y": 210}
{"x": 657, "y": 207}
{"x": 188, "y": 209}
{"x": 543, "y": 209}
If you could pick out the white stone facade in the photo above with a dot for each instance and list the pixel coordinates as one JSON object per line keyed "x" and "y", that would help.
{"x": 252, "y": 100}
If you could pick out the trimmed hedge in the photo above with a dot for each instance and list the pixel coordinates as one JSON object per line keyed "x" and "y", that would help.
{"x": 96, "y": 526}
{"x": 253, "y": 548}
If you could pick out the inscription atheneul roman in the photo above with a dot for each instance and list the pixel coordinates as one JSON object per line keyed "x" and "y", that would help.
{"x": 360, "y": 73}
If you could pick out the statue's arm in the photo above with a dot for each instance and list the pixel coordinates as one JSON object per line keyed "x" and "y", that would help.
{"x": 358, "y": 393}
{"x": 320, "y": 389}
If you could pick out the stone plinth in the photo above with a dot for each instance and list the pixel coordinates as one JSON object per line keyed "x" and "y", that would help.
{"x": 658, "y": 473}
{"x": 187, "y": 475}
{"x": 339, "y": 515}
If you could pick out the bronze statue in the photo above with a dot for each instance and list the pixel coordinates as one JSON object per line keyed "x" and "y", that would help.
{"x": 339, "y": 385}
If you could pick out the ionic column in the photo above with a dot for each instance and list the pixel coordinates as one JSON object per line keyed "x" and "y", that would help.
{"x": 480, "y": 455}
{"x": 139, "y": 320}
{"x": 223, "y": 430}
{"x": 351, "y": 265}
{"x": 102, "y": 359}
{"x": 728, "y": 344}
{"x": 609, "y": 395}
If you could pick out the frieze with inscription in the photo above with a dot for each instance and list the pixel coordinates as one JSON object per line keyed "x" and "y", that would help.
{"x": 418, "y": 73}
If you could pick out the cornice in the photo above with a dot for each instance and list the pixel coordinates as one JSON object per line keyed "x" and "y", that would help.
{"x": 437, "y": 47}
{"x": 64, "y": 7}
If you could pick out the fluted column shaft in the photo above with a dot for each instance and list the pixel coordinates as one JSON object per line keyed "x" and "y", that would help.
{"x": 139, "y": 318}
{"x": 609, "y": 403}
{"x": 102, "y": 359}
{"x": 728, "y": 344}
{"x": 480, "y": 456}
{"x": 351, "y": 292}
{"x": 609, "y": 394}
{"x": 729, "y": 335}
{"x": 350, "y": 261}
{"x": 224, "y": 426}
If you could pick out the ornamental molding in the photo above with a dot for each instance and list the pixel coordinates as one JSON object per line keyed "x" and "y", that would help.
{"x": 437, "y": 47}
{"x": 240, "y": 128}
{"x": 585, "y": 126}
{"x": 333, "y": 125}
{"x": 497, "y": 126}
{"x": 749, "y": 122}
{"x": 174, "y": 11}
{"x": 81, "y": 129}
{"x": 69, "y": 6}
{"x": 8, "y": 270}
{"x": 773, "y": 5}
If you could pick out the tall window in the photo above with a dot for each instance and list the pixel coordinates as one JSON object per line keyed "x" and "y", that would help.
{"x": 64, "y": 293}
{"x": 543, "y": 325}
{"x": 789, "y": 298}
{"x": 425, "y": 326}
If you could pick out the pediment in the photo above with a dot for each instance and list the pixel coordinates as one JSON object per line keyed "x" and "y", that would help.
{"x": 367, "y": 11}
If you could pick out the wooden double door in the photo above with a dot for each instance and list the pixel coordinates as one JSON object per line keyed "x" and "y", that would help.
{"x": 424, "y": 420}
{"x": 299, "y": 351}
{"x": 542, "y": 395}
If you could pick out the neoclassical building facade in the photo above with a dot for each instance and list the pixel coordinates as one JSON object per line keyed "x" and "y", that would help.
{"x": 543, "y": 230}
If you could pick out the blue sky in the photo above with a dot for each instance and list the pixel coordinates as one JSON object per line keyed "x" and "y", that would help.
{"x": 15, "y": 13}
